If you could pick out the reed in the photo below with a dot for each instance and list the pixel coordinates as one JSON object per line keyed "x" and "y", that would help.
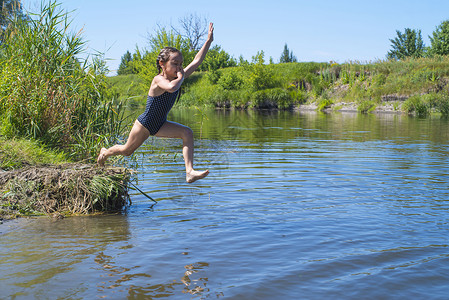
{"x": 49, "y": 92}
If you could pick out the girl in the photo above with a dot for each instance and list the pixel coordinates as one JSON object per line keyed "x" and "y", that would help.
{"x": 162, "y": 95}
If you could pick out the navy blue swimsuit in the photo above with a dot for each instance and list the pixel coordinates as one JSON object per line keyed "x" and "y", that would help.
{"x": 156, "y": 112}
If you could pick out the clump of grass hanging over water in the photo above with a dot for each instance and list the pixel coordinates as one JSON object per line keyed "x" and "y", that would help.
{"x": 48, "y": 92}
{"x": 65, "y": 189}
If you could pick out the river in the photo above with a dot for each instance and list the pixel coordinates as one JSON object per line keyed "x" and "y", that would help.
{"x": 297, "y": 206}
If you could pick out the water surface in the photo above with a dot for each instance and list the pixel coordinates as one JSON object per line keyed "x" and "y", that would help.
{"x": 297, "y": 206}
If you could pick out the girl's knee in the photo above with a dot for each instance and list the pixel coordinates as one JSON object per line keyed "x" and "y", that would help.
{"x": 187, "y": 133}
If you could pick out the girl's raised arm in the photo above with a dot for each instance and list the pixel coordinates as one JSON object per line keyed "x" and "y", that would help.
{"x": 199, "y": 57}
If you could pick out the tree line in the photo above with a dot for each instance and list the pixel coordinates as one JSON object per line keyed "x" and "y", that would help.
{"x": 410, "y": 43}
{"x": 406, "y": 44}
{"x": 187, "y": 36}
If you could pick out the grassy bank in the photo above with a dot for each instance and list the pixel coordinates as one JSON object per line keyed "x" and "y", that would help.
{"x": 420, "y": 85}
{"x": 17, "y": 153}
{"x": 55, "y": 108}
{"x": 130, "y": 88}
{"x": 35, "y": 180}
{"x": 416, "y": 86}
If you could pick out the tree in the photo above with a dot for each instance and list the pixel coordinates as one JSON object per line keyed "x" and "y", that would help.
{"x": 259, "y": 58}
{"x": 163, "y": 38}
{"x": 193, "y": 29}
{"x": 217, "y": 58}
{"x": 242, "y": 61}
{"x": 144, "y": 64}
{"x": 187, "y": 38}
{"x": 261, "y": 76}
{"x": 440, "y": 39}
{"x": 126, "y": 66}
{"x": 407, "y": 44}
{"x": 287, "y": 56}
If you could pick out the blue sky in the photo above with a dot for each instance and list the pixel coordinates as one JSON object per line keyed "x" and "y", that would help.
{"x": 314, "y": 30}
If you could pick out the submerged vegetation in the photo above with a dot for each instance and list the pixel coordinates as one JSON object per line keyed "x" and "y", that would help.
{"x": 54, "y": 108}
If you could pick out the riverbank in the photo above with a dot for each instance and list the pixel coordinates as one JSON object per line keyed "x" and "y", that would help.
{"x": 413, "y": 86}
{"x": 37, "y": 181}
{"x": 53, "y": 91}
{"x": 391, "y": 107}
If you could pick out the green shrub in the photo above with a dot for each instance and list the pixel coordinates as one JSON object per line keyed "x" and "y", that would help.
{"x": 442, "y": 104}
{"x": 124, "y": 87}
{"x": 260, "y": 78}
{"x": 213, "y": 76}
{"x": 324, "y": 102}
{"x": 230, "y": 81}
{"x": 379, "y": 80}
{"x": 415, "y": 104}
{"x": 271, "y": 98}
{"x": 297, "y": 96}
{"x": 366, "y": 106}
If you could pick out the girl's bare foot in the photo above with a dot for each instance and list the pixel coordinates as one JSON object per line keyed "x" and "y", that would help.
{"x": 101, "y": 158}
{"x": 193, "y": 175}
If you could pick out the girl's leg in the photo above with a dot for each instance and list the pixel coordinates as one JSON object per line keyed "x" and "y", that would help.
{"x": 175, "y": 130}
{"x": 137, "y": 136}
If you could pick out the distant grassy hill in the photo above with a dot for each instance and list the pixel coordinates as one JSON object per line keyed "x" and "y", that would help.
{"x": 128, "y": 87}
{"x": 414, "y": 86}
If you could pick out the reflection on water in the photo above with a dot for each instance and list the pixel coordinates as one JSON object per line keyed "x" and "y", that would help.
{"x": 191, "y": 284}
{"x": 297, "y": 205}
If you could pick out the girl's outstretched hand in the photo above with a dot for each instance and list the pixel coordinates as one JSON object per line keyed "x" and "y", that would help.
{"x": 210, "y": 35}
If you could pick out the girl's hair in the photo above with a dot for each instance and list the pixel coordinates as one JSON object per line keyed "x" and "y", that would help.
{"x": 164, "y": 56}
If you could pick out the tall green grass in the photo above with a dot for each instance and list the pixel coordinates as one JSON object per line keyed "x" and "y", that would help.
{"x": 51, "y": 90}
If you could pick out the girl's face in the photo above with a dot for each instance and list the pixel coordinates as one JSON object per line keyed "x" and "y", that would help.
{"x": 173, "y": 65}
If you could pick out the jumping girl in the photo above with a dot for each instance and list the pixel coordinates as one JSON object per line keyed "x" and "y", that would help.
{"x": 162, "y": 95}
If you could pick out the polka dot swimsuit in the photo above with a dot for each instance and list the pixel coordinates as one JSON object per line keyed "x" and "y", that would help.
{"x": 156, "y": 112}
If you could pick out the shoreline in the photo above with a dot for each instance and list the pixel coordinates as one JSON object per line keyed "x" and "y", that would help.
{"x": 387, "y": 107}
{"x": 390, "y": 107}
